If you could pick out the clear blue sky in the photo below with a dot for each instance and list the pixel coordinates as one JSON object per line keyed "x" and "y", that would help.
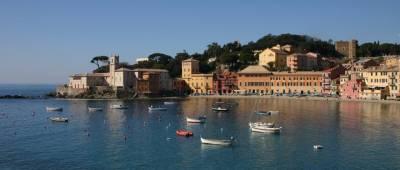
{"x": 45, "y": 41}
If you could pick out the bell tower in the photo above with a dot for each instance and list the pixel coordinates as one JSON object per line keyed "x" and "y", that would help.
{"x": 114, "y": 61}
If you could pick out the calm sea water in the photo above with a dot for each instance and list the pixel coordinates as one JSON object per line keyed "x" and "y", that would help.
{"x": 355, "y": 135}
{"x": 33, "y": 90}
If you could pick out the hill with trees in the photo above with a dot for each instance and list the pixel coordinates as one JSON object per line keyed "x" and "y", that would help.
{"x": 236, "y": 56}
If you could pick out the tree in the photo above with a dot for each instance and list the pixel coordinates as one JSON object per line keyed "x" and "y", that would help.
{"x": 99, "y": 59}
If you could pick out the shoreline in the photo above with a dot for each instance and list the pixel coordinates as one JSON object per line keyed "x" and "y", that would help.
{"x": 224, "y": 97}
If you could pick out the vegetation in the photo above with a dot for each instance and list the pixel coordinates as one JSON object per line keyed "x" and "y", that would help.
{"x": 236, "y": 56}
{"x": 99, "y": 59}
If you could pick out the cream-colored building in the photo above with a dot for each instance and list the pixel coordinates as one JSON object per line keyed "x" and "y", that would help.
{"x": 276, "y": 54}
{"x": 198, "y": 83}
{"x": 383, "y": 76}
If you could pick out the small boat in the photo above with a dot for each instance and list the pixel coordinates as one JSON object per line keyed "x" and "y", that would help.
{"x": 152, "y": 108}
{"x": 261, "y": 124}
{"x": 183, "y": 132}
{"x": 95, "y": 109}
{"x": 266, "y": 129}
{"x": 201, "y": 119}
{"x": 318, "y": 147}
{"x": 54, "y": 109}
{"x": 169, "y": 103}
{"x": 118, "y": 106}
{"x": 219, "y": 109}
{"x": 58, "y": 119}
{"x": 266, "y": 113}
{"x": 224, "y": 142}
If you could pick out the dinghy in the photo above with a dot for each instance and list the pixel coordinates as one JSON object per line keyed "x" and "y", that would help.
{"x": 58, "y": 119}
{"x": 200, "y": 119}
{"x": 118, "y": 106}
{"x": 95, "y": 109}
{"x": 225, "y": 142}
{"x": 54, "y": 109}
{"x": 185, "y": 133}
{"x": 152, "y": 108}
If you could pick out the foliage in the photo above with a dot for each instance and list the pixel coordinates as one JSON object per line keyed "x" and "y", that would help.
{"x": 99, "y": 59}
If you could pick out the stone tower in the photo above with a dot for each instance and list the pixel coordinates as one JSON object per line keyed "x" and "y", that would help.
{"x": 114, "y": 61}
{"x": 189, "y": 67}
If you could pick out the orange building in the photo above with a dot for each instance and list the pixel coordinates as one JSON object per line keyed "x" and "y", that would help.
{"x": 257, "y": 79}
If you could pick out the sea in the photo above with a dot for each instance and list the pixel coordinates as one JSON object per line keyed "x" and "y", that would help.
{"x": 354, "y": 135}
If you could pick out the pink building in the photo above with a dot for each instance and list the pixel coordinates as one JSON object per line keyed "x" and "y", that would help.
{"x": 352, "y": 88}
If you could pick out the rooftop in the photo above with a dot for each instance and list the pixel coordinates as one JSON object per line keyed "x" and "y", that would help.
{"x": 254, "y": 69}
{"x": 149, "y": 70}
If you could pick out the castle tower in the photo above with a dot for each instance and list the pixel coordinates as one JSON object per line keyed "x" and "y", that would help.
{"x": 189, "y": 67}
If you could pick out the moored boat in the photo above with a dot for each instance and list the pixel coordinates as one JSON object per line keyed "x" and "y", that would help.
{"x": 265, "y": 113}
{"x": 224, "y": 142}
{"x": 169, "y": 103}
{"x": 255, "y": 124}
{"x": 200, "y": 119}
{"x": 220, "y": 109}
{"x": 183, "y": 132}
{"x": 316, "y": 147}
{"x": 152, "y": 108}
{"x": 118, "y": 106}
{"x": 58, "y": 119}
{"x": 95, "y": 109}
{"x": 54, "y": 109}
{"x": 263, "y": 129}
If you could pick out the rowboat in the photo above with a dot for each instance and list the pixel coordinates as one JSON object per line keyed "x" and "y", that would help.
{"x": 219, "y": 109}
{"x": 183, "y": 132}
{"x": 169, "y": 103}
{"x": 266, "y": 113}
{"x": 95, "y": 109}
{"x": 53, "y": 109}
{"x": 58, "y": 119}
{"x": 200, "y": 119}
{"x": 152, "y": 108}
{"x": 258, "y": 124}
{"x": 262, "y": 129}
{"x": 225, "y": 142}
{"x": 118, "y": 106}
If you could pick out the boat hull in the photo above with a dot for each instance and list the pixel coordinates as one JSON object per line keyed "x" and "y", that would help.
{"x": 54, "y": 109}
{"x": 265, "y": 130}
{"x": 94, "y": 109}
{"x": 216, "y": 142}
{"x": 191, "y": 120}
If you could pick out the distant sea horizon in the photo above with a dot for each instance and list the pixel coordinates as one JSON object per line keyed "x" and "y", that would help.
{"x": 26, "y": 89}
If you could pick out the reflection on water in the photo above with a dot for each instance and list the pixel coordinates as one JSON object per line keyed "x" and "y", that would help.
{"x": 355, "y": 135}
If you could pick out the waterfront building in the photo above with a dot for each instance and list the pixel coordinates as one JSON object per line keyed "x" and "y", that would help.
{"x": 351, "y": 86}
{"x": 331, "y": 79}
{"x": 276, "y": 55}
{"x": 142, "y": 81}
{"x": 347, "y": 48}
{"x": 198, "y": 82}
{"x": 225, "y": 82}
{"x": 391, "y": 61}
{"x": 383, "y": 77}
{"x": 257, "y": 79}
{"x": 374, "y": 93}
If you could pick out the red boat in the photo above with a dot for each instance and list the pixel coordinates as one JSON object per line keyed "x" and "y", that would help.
{"x": 183, "y": 132}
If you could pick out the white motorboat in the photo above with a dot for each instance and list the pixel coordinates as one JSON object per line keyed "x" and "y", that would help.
{"x": 169, "y": 103}
{"x": 95, "y": 109}
{"x": 225, "y": 142}
{"x": 200, "y": 119}
{"x": 263, "y": 129}
{"x": 265, "y": 113}
{"x": 118, "y": 106}
{"x": 316, "y": 147}
{"x": 219, "y": 109}
{"x": 258, "y": 124}
{"x": 152, "y": 108}
{"x": 54, "y": 109}
{"x": 58, "y": 119}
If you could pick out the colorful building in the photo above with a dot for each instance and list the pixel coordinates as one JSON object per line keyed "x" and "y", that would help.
{"x": 257, "y": 79}
{"x": 383, "y": 76}
{"x": 225, "y": 82}
{"x": 351, "y": 86}
{"x": 276, "y": 55}
{"x": 198, "y": 82}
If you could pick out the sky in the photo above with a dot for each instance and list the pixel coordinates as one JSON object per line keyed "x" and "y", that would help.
{"x": 45, "y": 41}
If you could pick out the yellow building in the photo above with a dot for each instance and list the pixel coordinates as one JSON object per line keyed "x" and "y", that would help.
{"x": 383, "y": 76}
{"x": 198, "y": 83}
{"x": 276, "y": 54}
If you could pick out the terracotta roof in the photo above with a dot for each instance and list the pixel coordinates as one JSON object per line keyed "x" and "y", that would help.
{"x": 382, "y": 68}
{"x": 257, "y": 69}
{"x": 298, "y": 73}
{"x": 122, "y": 69}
